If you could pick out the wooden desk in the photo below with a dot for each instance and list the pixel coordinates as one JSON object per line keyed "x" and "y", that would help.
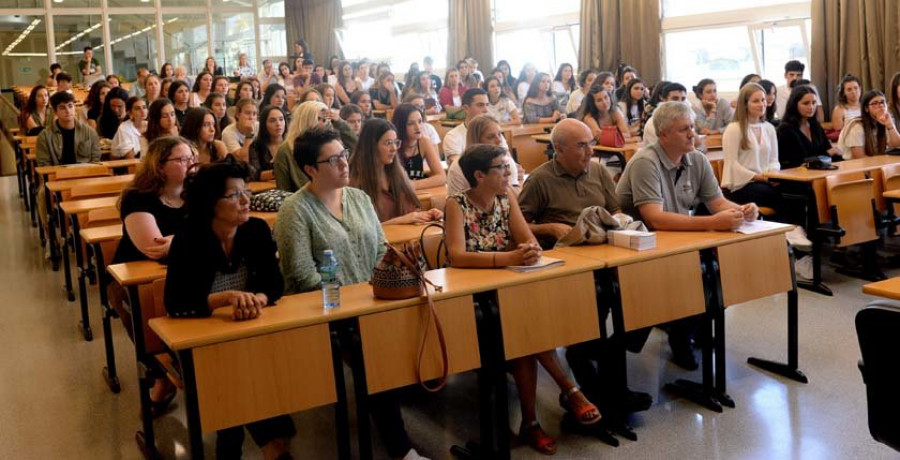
{"x": 817, "y": 199}
{"x": 889, "y": 288}
{"x": 624, "y": 154}
{"x": 429, "y": 197}
{"x": 66, "y": 185}
{"x": 257, "y": 187}
{"x": 393, "y": 233}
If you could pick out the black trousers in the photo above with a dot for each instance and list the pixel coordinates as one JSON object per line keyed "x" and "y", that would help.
{"x": 230, "y": 440}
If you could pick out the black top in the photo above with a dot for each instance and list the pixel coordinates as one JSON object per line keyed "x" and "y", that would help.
{"x": 436, "y": 82}
{"x": 794, "y": 147}
{"x": 180, "y": 115}
{"x": 68, "y": 138}
{"x": 260, "y": 158}
{"x": 196, "y": 256}
{"x": 380, "y": 95}
{"x": 415, "y": 165}
{"x": 169, "y": 220}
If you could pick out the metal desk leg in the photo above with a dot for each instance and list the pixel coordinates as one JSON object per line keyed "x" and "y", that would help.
{"x": 716, "y": 308}
{"x": 341, "y": 408}
{"x": 192, "y": 409}
{"x": 109, "y": 372}
{"x": 145, "y": 439}
{"x": 812, "y": 223}
{"x": 357, "y": 366}
{"x": 67, "y": 269}
{"x": 51, "y": 230}
{"x": 82, "y": 285}
{"x": 791, "y": 369}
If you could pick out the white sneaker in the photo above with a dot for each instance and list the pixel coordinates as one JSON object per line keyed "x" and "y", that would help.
{"x": 413, "y": 455}
{"x": 803, "y": 267}
{"x": 798, "y": 240}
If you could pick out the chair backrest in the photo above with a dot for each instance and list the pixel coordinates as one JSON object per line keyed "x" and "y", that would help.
{"x": 852, "y": 202}
{"x": 435, "y": 250}
{"x": 103, "y": 217}
{"x": 96, "y": 191}
{"x": 876, "y": 329}
{"x": 81, "y": 172}
{"x": 152, "y": 306}
{"x": 890, "y": 180}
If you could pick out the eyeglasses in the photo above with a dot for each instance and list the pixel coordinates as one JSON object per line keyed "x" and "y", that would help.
{"x": 393, "y": 143}
{"x": 502, "y": 167}
{"x": 183, "y": 160}
{"x": 877, "y": 103}
{"x": 590, "y": 144}
{"x": 237, "y": 194}
{"x": 335, "y": 160}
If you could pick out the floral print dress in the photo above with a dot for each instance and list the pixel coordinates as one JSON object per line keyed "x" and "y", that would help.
{"x": 485, "y": 232}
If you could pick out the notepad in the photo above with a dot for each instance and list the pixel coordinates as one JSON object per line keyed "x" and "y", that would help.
{"x": 545, "y": 262}
{"x": 632, "y": 239}
{"x": 759, "y": 226}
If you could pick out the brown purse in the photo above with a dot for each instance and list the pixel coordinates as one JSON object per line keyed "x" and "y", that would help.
{"x": 400, "y": 275}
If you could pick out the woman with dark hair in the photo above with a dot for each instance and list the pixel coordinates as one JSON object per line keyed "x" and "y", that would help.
{"x": 599, "y": 109}
{"x": 849, "y": 92}
{"x": 873, "y": 133}
{"x": 416, "y": 149}
{"x": 526, "y": 76}
{"x": 266, "y": 144}
{"x": 36, "y": 115}
{"x": 539, "y": 105}
{"x": 93, "y": 105}
{"x": 420, "y": 85}
{"x": 364, "y": 100}
{"x": 624, "y": 74}
{"x": 223, "y": 258}
{"x": 895, "y": 99}
{"x": 211, "y": 68}
{"x": 167, "y": 71}
{"x": 608, "y": 81}
{"x": 244, "y": 90}
{"x": 328, "y": 214}
{"x": 771, "y": 95}
{"x": 353, "y": 116}
{"x": 152, "y": 211}
{"x": 563, "y": 84}
{"x": 161, "y": 121}
{"x": 301, "y": 50}
{"x": 451, "y": 93}
{"x": 713, "y": 113}
{"x": 656, "y": 96}
{"x": 164, "y": 86}
{"x": 384, "y": 93}
{"x": 504, "y": 67}
{"x": 346, "y": 83}
{"x": 632, "y": 105}
{"x": 180, "y": 95}
{"x": 218, "y": 104}
{"x": 114, "y": 111}
{"x": 800, "y": 135}
{"x": 329, "y": 99}
{"x": 749, "y": 78}
{"x": 275, "y": 95}
{"x": 200, "y": 128}
{"x": 376, "y": 169}
{"x": 585, "y": 80}
{"x": 500, "y": 106}
{"x": 285, "y": 78}
{"x": 222, "y": 86}
{"x": 127, "y": 141}
{"x": 203, "y": 86}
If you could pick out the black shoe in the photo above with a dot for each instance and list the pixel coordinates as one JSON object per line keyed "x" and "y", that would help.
{"x": 636, "y": 401}
{"x": 682, "y": 352}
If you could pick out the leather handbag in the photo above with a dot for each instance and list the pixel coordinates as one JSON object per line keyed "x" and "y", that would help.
{"x": 610, "y": 136}
{"x": 400, "y": 275}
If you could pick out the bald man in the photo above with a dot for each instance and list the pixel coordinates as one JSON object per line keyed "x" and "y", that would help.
{"x": 551, "y": 200}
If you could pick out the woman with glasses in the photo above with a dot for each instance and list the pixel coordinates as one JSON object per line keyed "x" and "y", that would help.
{"x": 328, "y": 214}
{"x": 873, "y": 133}
{"x": 376, "y": 169}
{"x": 152, "y": 211}
{"x": 223, "y": 258}
{"x": 161, "y": 121}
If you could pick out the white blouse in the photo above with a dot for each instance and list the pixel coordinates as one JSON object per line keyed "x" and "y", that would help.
{"x": 741, "y": 165}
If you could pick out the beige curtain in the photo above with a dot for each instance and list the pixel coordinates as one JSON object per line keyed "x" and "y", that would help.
{"x": 471, "y": 33}
{"x": 617, "y": 31}
{"x": 859, "y": 37}
{"x": 314, "y": 21}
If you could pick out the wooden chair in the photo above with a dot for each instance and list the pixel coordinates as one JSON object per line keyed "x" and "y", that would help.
{"x": 890, "y": 180}
{"x": 854, "y": 220}
{"x": 81, "y": 172}
{"x": 94, "y": 191}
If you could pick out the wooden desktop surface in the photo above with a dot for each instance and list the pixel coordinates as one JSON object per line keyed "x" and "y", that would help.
{"x": 83, "y": 206}
{"x": 892, "y": 194}
{"x": 803, "y": 174}
{"x": 135, "y": 273}
{"x": 112, "y": 164}
{"x": 65, "y": 185}
{"x": 260, "y": 186}
{"x": 889, "y": 288}
{"x": 100, "y": 234}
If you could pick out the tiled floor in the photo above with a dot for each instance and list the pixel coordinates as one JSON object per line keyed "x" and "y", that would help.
{"x": 56, "y": 406}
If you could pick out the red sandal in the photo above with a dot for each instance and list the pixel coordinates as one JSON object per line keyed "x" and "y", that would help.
{"x": 579, "y": 410}
{"x": 537, "y": 438}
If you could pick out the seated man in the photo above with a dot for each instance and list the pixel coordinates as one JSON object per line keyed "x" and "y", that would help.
{"x": 551, "y": 201}
{"x": 474, "y": 102}
{"x": 63, "y": 83}
{"x": 665, "y": 184}
{"x": 675, "y": 92}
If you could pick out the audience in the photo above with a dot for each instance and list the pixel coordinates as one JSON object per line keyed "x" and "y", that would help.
{"x": 114, "y": 111}
{"x": 599, "y": 110}
{"x": 416, "y": 149}
{"x": 712, "y": 112}
{"x": 180, "y": 95}
{"x": 265, "y": 146}
{"x": 500, "y": 106}
{"x": 475, "y": 103}
{"x": 161, "y": 121}
{"x": 203, "y": 86}
{"x": 484, "y": 129}
{"x": 800, "y": 135}
{"x": 452, "y": 91}
{"x": 238, "y": 135}
{"x": 36, "y": 115}
{"x": 847, "y": 108}
{"x": 585, "y": 80}
{"x": 873, "y": 133}
{"x": 200, "y": 129}
{"x": 218, "y": 104}
{"x": 539, "y": 105}
{"x": 127, "y": 141}
{"x": 564, "y": 84}
{"x": 152, "y": 88}
{"x": 243, "y": 69}
{"x": 632, "y": 104}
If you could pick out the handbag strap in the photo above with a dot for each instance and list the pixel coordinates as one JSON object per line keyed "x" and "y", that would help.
{"x": 441, "y": 245}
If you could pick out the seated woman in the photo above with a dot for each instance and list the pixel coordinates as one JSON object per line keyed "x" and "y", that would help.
{"x": 36, "y": 115}
{"x": 416, "y": 148}
{"x": 364, "y": 100}
{"x": 152, "y": 211}
{"x": 200, "y": 129}
{"x": 330, "y": 100}
{"x": 894, "y": 108}
{"x": 266, "y": 144}
{"x": 243, "y": 90}
{"x": 800, "y": 135}
{"x": 563, "y": 84}
{"x": 327, "y": 214}
{"x": 451, "y": 93}
{"x": 656, "y": 97}
{"x": 849, "y": 92}
{"x": 180, "y": 96}
{"x": 539, "y": 105}
{"x": 152, "y": 86}
{"x": 218, "y": 104}
{"x": 486, "y": 229}
{"x": 420, "y": 85}
{"x": 771, "y": 108}
{"x": 586, "y": 79}
{"x": 127, "y": 141}
{"x": 167, "y": 71}
{"x": 223, "y": 258}
{"x": 505, "y": 89}
{"x": 750, "y": 146}
{"x": 523, "y": 84}
{"x": 384, "y": 93}
{"x": 243, "y": 69}
{"x": 484, "y": 129}
{"x": 346, "y": 83}
{"x": 873, "y": 133}
{"x": 93, "y": 105}
{"x": 165, "y": 83}
{"x": 633, "y": 104}
{"x": 353, "y": 116}
{"x": 376, "y": 169}
{"x": 113, "y": 114}
{"x": 713, "y": 113}
{"x": 222, "y": 86}
{"x": 624, "y": 74}
{"x": 277, "y": 96}
{"x": 605, "y": 79}
{"x": 285, "y": 77}
{"x": 203, "y": 86}
{"x": 308, "y": 115}
{"x": 598, "y": 110}
{"x": 500, "y": 106}
{"x": 161, "y": 121}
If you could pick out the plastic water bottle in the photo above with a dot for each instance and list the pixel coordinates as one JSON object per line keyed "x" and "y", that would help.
{"x": 331, "y": 288}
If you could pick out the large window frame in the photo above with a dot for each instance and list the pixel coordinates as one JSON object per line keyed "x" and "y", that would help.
{"x": 548, "y": 26}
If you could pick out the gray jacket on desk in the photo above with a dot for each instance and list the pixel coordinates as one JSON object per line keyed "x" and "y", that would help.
{"x": 50, "y": 145}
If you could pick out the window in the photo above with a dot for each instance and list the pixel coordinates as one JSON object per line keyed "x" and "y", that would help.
{"x": 73, "y": 33}
{"x": 528, "y": 31}
{"x": 233, "y": 35}
{"x": 727, "y": 40}
{"x": 133, "y": 43}
{"x": 23, "y": 57}
{"x": 186, "y": 41}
